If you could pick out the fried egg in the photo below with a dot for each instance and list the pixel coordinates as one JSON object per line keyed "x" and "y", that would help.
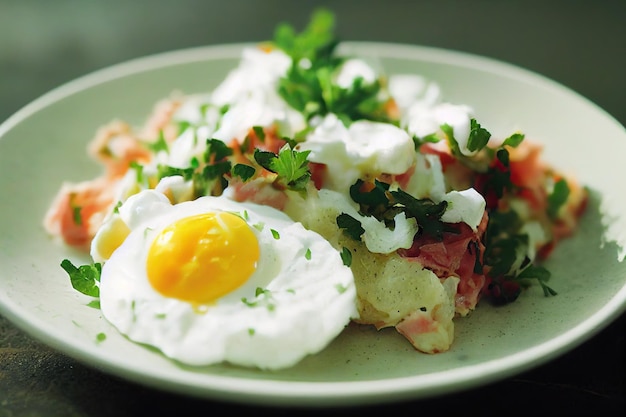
{"x": 214, "y": 280}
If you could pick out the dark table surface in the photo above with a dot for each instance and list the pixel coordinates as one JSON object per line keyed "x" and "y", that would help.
{"x": 580, "y": 44}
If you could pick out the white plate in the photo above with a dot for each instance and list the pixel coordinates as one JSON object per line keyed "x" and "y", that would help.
{"x": 44, "y": 144}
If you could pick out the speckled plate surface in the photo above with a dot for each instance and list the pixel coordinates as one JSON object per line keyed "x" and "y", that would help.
{"x": 44, "y": 144}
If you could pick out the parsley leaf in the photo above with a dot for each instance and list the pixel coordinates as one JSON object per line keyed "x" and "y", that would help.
{"x": 557, "y": 198}
{"x": 425, "y": 211}
{"x": 514, "y": 140}
{"x": 316, "y": 40}
{"x": 346, "y": 256}
{"x": 291, "y": 166}
{"x": 84, "y": 278}
{"x": 309, "y": 85}
{"x": 376, "y": 200}
{"x": 541, "y": 274}
{"x": 245, "y": 172}
{"x": 478, "y": 138}
{"x": 159, "y": 145}
{"x": 208, "y": 177}
{"x": 216, "y": 150}
{"x": 352, "y": 227}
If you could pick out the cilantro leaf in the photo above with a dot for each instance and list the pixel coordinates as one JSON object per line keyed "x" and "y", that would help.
{"x": 84, "y": 278}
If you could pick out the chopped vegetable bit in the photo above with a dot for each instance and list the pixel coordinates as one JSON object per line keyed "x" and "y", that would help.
{"x": 84, "y": 278}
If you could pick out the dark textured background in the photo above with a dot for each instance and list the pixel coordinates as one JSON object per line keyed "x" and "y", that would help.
{"x": 581, "y": 44}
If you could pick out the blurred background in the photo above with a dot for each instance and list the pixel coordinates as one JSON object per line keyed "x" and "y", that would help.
{"x": 579, "y": 43}
{"x": 45, "y": 43}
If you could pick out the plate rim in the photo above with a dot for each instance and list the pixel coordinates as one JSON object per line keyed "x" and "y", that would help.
{"x": 299, "y": 392}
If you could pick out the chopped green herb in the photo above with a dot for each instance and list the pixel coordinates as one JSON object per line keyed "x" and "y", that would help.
{"x": 291, "y": 166}
{"x": 133, "y": 305}
{"x": 514, "y": 140}
{"x": 259, "y": 132}
{"x": 309, "y": 84}
{"x": 216, "y": 150}
{"x": 76, "y": 210}
{"x": 478, "y": 138}
{"x": 243, "y": 171}
{"x": 384, "y": 205}
{"x": 540, "y": 274}
{"x": 263, "y": 298}
{"x": 138, "y": 170}
{"x": 101, "y": 337}
{"x": 160, "y": 144}
{"x": 76, "y": 216}
{"x": 351, "y": 226}
{"x": 425, "y": 211}
{"x": 275, "y": 234}
{"x": 307, "y": 254}
{"x": 85, "y": 278}
{"x": 557, "y": 198}
{"x": 341, "y": 288}
{"x": 346, "y": 256}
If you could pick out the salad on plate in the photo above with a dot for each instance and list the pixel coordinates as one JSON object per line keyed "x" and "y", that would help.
{"x": 309, "y": 191}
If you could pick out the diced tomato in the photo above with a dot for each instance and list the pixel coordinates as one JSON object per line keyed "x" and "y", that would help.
{"x": 318, "y": 173}
{"x": 445, "y": 157}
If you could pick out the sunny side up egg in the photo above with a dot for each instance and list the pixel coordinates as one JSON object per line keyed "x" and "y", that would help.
{"x": 214, "y": 280}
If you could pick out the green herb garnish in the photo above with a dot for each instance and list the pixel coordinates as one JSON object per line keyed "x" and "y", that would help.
{"x": 85, "y": 278}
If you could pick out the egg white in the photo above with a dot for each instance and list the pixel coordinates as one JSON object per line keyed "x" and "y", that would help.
{"x": 307, "y": 302}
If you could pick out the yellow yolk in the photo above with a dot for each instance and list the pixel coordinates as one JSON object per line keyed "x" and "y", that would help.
{"x": 203, "y": 257}
{"x": 113, "y": 234}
